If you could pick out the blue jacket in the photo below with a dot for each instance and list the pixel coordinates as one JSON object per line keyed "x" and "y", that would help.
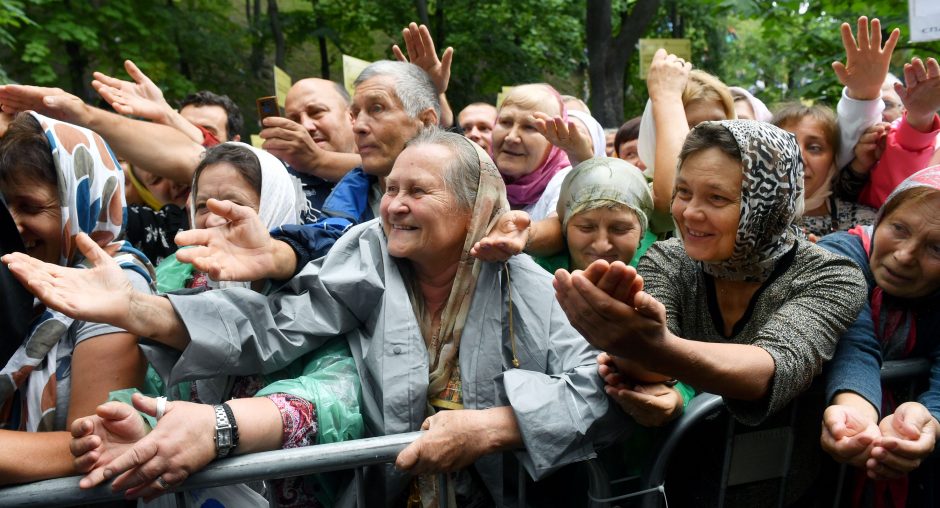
{"x": 857, "y": 362}
{"x": 346, "y": 206}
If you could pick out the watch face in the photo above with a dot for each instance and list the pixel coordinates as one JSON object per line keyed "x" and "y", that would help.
{"x": 224, "y": 439}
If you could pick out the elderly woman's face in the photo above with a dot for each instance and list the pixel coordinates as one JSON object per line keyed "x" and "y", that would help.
{"x": 518, "y": 148}
{"x": 221, "y": 181}
{"x": 905, "y": 256}
{"x": 419, "y": 215}
{"x": 38, "y": 216}
{"x": 611, "y": 234}
{"x": 707, "y": 204}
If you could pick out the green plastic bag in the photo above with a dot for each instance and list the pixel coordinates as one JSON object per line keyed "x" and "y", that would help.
{"x": 173, "y": 274}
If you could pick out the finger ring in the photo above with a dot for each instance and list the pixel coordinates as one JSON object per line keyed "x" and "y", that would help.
{"x": 162, "y": 483}
{"x": 161, "y": 407}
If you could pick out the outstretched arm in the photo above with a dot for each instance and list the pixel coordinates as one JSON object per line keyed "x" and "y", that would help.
{"x": 99, "y": 295}
{"x": 142, "y": 98}
{"x": 156, "y": 148}
{"x": 666, "y": 81}
{"x": 290, "y": 142}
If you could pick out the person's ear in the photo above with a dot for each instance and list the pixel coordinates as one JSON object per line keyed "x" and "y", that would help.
{"x": 238, "y": 137}
{"x": 428, "y": 117}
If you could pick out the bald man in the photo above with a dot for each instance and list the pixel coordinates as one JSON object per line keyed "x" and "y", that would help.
{"x": 477, "y": 121}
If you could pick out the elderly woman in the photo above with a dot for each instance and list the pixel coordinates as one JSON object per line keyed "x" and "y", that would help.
{"x": 867, "y": 424}
{"x": 59, "y": 180}
{"x": 477, "y": 353}
{"x": 738, "y": 305}
{"x": 532, "y": 167}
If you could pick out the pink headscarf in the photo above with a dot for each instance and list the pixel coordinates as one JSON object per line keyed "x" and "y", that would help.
{"x": 526, "y": 190}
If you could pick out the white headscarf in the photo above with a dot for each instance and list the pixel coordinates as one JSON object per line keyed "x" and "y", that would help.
{"x": 598, "y": 138}
{"x": 761, "y": 113}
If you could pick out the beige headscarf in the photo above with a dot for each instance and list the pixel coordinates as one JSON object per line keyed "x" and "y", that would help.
{"x": 444, "y": 345}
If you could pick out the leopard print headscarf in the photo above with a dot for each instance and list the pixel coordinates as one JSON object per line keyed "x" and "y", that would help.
{"x": 771, "y": 197}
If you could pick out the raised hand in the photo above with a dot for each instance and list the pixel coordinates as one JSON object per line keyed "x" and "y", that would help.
{"x": 908, "y": 437}
{"x": 667, "y": 76}
{"x": 140, "y": 98}
{"x": 101, "y": 294}
{"x": 921, "y": 96}
{"x": 567, "y": 136}
{"x": 421, "y": 52}
{"x": 866, "y": 60}
{"x": 507, "y": 238}
{"x": 52, "y": 102}
{"x": 848, "y": 434}
{"x": 241, "y": 250}
{"x": 99, "y": 439}
{"x": 870, "y": 147}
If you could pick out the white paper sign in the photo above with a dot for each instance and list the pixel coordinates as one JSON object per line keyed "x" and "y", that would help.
{"x": 925, "y": 20}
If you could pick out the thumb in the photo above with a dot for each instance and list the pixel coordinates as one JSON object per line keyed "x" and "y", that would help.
{"x": 839, "y": 69}
{"x": 114, "y": 410}
{"x": 145, "y": 404}
{"x": 408, "y": 457}
{"x": 650, "y": 307}
{"x": 91, "y": 250}
{"x": 230, "y": 210}
{"x": 903, "y": 427}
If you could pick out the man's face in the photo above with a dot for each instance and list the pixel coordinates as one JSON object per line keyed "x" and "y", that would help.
{"x": 477, "y": 123}
{"x": 318, "y": 107}
{"x": 381, "y": 125}
{"x": 211, "y": 118}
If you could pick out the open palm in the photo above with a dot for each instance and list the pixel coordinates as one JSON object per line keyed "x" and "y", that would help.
{"x": 140, "y": 98}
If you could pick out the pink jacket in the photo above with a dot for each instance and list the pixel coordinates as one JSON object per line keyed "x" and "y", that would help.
{"x": 906, "y": 152}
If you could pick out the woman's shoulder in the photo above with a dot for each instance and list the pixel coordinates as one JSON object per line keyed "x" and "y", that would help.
{"x": 667, "y": 254}
{"x": 814, "y": 262}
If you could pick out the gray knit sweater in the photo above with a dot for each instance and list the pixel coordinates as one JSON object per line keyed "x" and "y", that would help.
{"x": 797, "y": 318}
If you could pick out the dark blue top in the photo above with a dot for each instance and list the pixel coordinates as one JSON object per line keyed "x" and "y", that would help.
{"x": 857, "y": 362}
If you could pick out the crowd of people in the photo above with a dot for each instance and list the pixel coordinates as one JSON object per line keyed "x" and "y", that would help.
{"x": 527, "y": 287}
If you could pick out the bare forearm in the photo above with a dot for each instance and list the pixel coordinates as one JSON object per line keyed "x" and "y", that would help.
{"x": 154, "y": 317}
{"x": 921, "y": 122}
{"x": 502, "y": 432}
{"x": 260, "y": 427}
{"x": 159, "y": 149}
{"x": 671, "y": 130}
{"x": 175, "y": 120}
{"x": 447, "y": 114}
{"x": 47, "y": 452}
{"x": 737, "y": 371}
{"x": 545, "y": 237}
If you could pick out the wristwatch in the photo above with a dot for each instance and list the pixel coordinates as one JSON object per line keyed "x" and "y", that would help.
{"x": 226, "y": 430}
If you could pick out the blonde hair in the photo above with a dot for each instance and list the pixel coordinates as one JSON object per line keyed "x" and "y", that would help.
{"x": 702, "y": 86}
{"x": 534, "y": 97}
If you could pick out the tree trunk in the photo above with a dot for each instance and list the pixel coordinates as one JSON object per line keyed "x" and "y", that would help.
{"x": 321, "y": 41}
{"x": 608, "y": 55}
{"x": 422, "y": 7}
{"x": 277, "y": 33}
{"x": 256, "y": 59}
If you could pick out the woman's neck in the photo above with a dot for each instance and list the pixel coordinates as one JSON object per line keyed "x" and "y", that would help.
{"x": 822, "y": 209}
{"x": 435, "y": 286}
{"x": 733, "y": 297}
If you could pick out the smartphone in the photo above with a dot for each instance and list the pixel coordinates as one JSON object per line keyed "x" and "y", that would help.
{"x": 267, "y": 106}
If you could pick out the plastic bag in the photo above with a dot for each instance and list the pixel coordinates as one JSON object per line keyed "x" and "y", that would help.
{"x": 173, "y": 274}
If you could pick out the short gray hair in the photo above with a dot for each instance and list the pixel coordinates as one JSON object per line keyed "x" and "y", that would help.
{"x": 413, "y": 86}
{"x": 462, "y": 174}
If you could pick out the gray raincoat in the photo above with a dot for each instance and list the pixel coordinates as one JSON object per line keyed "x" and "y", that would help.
{"x": 357, "y": 291}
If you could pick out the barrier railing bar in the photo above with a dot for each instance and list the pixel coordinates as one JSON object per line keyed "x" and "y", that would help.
{"x": 256, "y": 466}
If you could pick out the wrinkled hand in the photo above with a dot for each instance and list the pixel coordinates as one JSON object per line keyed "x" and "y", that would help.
{"x": 421, "y": 52}
{"x": 290, "y": 142}
{"x": 667, "y": 76}
{"x": 848, "y": 435}
{"x": 454, "y": 440}
{"x": 606, "y": 304}
{"x": 921, "y": 96}
{"x": 52, "y": 102}
{"x": 908, "y": 436}
{"x": 241, "y": 250}
{"x": 567, "y": 136}
{"x": 101, "y": 294}
{"x": 140, "y": 98}
{"x": 507, "y": 238}
{"x": 650, "y": 405}
{"x": 870, "y": 146}
{"x": 99, "y": 439}
{"x": 866, "y": 61}
{"x": 619, "y": 370}
{"x": 181, "y": 444}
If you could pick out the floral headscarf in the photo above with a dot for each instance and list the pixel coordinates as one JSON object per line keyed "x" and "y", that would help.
{"x": 771, "y": 196}
{"x": 91, "y": 198}
{"x": 604, "y": 178}
{"x": 527, "y": 190}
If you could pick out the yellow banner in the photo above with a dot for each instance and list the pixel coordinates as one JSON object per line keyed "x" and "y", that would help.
{"x": 256, "y": 141}
{"x": 282, "y": 83}
{"x": 352, "y": 67}
{"x": 682, "y": 48}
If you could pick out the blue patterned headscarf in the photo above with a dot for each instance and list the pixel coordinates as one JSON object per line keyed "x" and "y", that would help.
{"x": 91, "y": 199}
